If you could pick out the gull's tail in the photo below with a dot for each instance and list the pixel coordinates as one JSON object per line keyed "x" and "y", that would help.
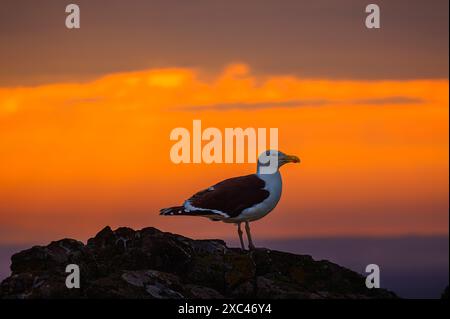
{"x": 175, "y": 210}
{"x": 180, "y": 211}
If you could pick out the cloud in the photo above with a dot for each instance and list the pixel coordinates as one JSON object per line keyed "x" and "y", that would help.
{"x": 236, "y": 87}
{"x": 85, "y": 100}
{"x": 261, "y": 105}
{"x": 395, "y": 100}
{"x": 321, "y": 39}
{"x": 391, "y": 100}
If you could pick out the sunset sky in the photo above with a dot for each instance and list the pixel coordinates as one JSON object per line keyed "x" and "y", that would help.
{"x": 85, "y": 115}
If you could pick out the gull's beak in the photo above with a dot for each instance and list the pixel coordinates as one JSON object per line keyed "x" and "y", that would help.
{"x": 292, "y": 159}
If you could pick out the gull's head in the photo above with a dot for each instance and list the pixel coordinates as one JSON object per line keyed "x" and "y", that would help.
{"x": 271, "y": 160}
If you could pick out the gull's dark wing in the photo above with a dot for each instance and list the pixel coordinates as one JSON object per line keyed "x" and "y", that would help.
{"x": 229, "y": 197}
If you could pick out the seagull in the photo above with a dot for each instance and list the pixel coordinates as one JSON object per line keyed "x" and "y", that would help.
{"x": 239, "y": 199}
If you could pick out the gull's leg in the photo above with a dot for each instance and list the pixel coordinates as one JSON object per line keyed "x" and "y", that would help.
{"x": 249, "y": 236}
{"x": 240, "y": 236}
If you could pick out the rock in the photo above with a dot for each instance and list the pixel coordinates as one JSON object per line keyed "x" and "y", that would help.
{"x": 149, "y": 263}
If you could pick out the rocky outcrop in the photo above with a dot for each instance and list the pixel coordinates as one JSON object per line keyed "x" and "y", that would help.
{"x": 445, "y": 293}
{"x": 149, "y": 263}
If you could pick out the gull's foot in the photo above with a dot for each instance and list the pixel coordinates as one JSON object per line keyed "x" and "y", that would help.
{"x": 251, "y": 247}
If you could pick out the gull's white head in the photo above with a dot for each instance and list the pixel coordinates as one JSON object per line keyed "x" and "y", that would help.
{"x": 271, "y": 160}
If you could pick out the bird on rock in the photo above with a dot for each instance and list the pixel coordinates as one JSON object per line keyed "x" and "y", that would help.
{"x": 242, "y": 199}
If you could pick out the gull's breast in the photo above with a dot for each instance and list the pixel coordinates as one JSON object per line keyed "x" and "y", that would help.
{"x": 257, "y": 211}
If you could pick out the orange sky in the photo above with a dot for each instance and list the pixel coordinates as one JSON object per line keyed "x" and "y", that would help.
{"x": 75, "y": 157}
